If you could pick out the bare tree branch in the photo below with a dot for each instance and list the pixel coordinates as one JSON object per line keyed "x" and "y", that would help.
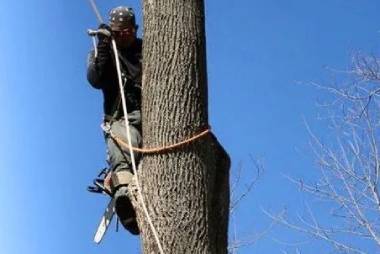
{"x": 348, "y": 163}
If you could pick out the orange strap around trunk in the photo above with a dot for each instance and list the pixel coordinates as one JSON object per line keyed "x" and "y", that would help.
{"x": 160, "y": 149}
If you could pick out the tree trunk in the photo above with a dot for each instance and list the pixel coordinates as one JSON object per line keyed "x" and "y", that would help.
{"x": 185, "y": 189}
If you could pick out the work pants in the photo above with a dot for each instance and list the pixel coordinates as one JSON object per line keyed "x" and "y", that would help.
{"x": 118, "y": 156}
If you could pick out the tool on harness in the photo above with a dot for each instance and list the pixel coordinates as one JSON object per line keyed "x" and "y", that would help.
{"x": 106, "y": 219}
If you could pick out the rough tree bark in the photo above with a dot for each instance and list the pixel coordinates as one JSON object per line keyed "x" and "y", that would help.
{"x": 187, "y": 189}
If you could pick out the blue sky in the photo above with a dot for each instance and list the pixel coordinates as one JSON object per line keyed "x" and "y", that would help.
{"x": 258, "y": 51}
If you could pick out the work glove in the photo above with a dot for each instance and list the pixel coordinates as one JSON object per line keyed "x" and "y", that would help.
{"x": 104, "y": 44}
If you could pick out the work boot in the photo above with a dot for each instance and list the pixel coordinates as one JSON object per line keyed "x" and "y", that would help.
{"x": 124, "y": 209}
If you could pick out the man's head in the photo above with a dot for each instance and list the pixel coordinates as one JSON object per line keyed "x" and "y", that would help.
{"x": 123, "y": 25}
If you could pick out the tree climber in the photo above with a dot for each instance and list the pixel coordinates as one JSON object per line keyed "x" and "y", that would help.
{"x": 102, "y": 74}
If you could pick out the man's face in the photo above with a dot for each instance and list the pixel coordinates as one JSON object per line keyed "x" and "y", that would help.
{"x": 124, "y": 36}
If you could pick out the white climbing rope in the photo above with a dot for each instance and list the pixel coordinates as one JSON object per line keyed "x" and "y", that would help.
{"x": 94, "y": 44}
{"x": 100, "y": 20}
{"x": 127, "y": 130}
{"x": 97, "y": 13}
{"x": 124, "y": 104}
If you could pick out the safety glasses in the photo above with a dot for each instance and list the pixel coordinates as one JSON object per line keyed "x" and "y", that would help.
{"x": 124, "y": 32}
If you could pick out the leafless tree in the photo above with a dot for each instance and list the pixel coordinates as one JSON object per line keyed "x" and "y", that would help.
{"x": 348, "y": 164}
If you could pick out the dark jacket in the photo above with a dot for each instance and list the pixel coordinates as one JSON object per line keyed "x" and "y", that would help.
{"x": 105, "y": 78}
